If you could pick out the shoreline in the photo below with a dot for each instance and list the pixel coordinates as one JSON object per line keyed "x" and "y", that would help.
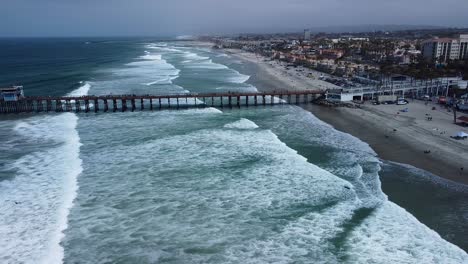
{"x": 394, "y": 137}
{"x": 396, "y": 146}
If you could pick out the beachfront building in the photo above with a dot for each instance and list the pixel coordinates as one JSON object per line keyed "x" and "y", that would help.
{"x": 402, "y": 88}
{"x": 344, "y": 95}
{"x": 332, "y": 54}
{"x": 443, "y": 50}
{"x": 11, "y": 94}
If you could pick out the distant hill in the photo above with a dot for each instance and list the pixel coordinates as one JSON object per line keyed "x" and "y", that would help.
{"x": 371, "y": 28}
{"x": 406, "y": 30}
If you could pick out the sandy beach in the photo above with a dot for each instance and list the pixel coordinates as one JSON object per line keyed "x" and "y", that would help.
{"x": 285, "y": 77}
{"x": 405, "y": 137}
{"x": 395, "y": 135}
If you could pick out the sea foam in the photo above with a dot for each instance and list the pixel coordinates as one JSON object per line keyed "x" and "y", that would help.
{"x": 38, "y": 199}
{"x": 242, "y": 124}
{"x": 82, "y": 90}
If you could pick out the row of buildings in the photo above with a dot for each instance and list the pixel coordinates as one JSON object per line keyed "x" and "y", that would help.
{"x": 443, "y": 50}
{"x": 353, "y": 56}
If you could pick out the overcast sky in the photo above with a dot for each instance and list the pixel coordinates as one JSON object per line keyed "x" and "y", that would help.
{"x": 177, "y": 17}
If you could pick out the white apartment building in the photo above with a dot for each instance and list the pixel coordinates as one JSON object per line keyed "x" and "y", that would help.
{"x": 446, "y": 49}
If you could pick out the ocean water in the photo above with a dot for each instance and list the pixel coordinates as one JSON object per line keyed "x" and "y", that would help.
{"x": 251, "y": 185}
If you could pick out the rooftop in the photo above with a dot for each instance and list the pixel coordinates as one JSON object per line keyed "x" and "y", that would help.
{"x": 14, "y": 89}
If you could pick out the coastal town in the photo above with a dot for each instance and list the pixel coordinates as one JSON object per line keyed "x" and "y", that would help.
{"x": 376, "y": 59}
{"x": 405, "y": 89}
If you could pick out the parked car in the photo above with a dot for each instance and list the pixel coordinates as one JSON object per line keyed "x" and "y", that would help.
{"x": 462, "y": 107}
{"x": 402, "y": 102}
{"x": 442, "y": 100}
{"x": 424, "y": 98}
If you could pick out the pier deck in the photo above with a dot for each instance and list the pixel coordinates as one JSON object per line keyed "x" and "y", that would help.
{"x": 123, "y": 103}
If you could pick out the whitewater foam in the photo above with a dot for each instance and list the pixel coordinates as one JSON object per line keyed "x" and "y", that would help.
{"x": 70, "y": 189}
{"x": 194, "y": 56}
{"x": 207, "y": 110}
{"x": 150, "y": 70}
{"x": 152, "y": 57}
{"x": 393, "y": 235}
{"x": 37, "y": 200}
{"x": 242, "y": 124}
{"x": 208, "y": 64}
{"x": 166, "y": 49}
{"x": 242, "y": 183}
{"x": 239, "y": 78}
{"x": 167, "y": 80}
{"x": 82, "y": 90}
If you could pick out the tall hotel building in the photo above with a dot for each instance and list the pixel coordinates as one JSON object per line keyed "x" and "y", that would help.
{"x": 445, "y": 49}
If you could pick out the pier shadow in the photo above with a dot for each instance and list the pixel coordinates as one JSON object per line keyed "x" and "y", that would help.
{"x": 338, "y": 243}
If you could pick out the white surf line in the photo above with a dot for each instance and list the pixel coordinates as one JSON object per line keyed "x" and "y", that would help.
{"x": 56, "y": 251}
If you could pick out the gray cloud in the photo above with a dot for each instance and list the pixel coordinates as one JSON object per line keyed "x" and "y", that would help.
{"x": 170, "y": 17}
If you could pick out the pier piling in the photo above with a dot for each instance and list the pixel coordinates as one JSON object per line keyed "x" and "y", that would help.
{"x": 133, "y": 104}
{"x": 68, "y": 106}
{"x": 39, "y": 106}
{"x": 77, "y": 106}
{"x": 87, "y": 109}
{"x": 106, "y": 105}
{"x": 58, "y": 106}
{"x": 124, "y": 105}
{"x": 96, "y": 105}
{"x": 49, "y": 105}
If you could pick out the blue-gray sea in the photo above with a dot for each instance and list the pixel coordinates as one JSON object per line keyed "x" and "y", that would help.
{"x": 250, "y": 185}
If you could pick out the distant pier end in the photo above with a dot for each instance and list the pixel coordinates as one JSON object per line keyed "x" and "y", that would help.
{"x": 11, "y": 94}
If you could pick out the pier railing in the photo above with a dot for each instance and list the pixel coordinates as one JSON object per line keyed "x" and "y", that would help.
{"x": 123, "y": 103}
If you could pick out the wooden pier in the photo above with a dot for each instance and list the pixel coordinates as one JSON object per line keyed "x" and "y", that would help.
{"x": 123, "y": 103}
